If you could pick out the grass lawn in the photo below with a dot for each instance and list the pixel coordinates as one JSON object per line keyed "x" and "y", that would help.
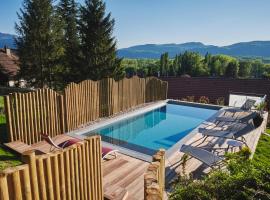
{"x": 2, "y": 121}
{"x": 7, "y": 159}
{"x": 262, "y": 153}
{"x": 2, "y": 116}
{"x": 1, "y": 101}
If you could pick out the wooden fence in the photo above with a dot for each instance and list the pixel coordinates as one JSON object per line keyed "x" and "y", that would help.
{"x": 154, "y": 178}
{"x": 44, "y": 110}
{"x": 72, "y": 173}
{"x": 29, "y": 114}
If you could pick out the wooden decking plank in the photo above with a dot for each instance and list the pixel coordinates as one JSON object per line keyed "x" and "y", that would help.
{"x": 130, "y": 178}
{"x": 116, "y": 193}
{"x": 136, "y": 186}
{"x": 125, "y": 175}
{"x": 109, "y": 168}
{"x": 125, "y": 170}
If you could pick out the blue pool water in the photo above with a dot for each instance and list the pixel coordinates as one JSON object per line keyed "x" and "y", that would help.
{"x": 160, "y": 128}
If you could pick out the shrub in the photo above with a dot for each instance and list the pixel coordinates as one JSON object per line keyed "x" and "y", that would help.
{"x": 242, "y": 179}
{"x": 261, "y": 106}
{"x": 220, "y": 101}
{"x": 204, "y": 99}
{"x": 190, "y": 98}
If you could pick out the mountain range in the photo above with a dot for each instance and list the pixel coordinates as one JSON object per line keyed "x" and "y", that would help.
{"x": 7, "y": 40}
{"x": 248, "y": 49}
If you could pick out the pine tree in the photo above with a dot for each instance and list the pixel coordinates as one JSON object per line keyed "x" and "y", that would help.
{"x": 67, "y": 11}
{"x": 98, "y": 47}
{"x": 161, "y": 65}
{"x": 164, "y": 64}
{"x": 179, "y": 68}
{"x": 232, "y": 69}
{"x": 38, "y": 42}
{"x": 174, "y": 66}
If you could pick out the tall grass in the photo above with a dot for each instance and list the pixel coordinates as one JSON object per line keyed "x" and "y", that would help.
{"x": 262, "y": 153}
{"x": 3, "y": 130}
{"x": 2, "y": 114}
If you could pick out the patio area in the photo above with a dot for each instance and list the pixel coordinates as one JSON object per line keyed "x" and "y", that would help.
{"x": 128, "y": 173}
{"x": 124, "y": 175}
{"x": 196, "y": 167}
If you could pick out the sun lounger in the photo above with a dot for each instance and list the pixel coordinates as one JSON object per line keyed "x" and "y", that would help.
{"x": 208, "y": 158}
{"x": 106, "y": 152}
{"x": 62, "y": 145}
{"x": 244, "y": 119}
{"x": 222, "y": 129}
{"x": 249, "y": 103}
{"x": 42, "y": 147}
{"x": 233, "y": 132}
{"x": 50, "y": 144}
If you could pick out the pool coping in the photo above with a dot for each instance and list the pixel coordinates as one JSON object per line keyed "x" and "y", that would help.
{"x": 123, "y": 116}
{"x": 141, "y": 110}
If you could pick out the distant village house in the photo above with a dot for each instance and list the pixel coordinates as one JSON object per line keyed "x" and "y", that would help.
{"x": 9, "y": 67}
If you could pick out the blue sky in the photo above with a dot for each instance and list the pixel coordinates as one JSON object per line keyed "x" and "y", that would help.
{"x": 218, "y": 22}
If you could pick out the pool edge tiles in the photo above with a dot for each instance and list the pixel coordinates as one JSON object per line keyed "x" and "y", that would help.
{"x": 125, "y": 115}
{"x": 141, "y": 154}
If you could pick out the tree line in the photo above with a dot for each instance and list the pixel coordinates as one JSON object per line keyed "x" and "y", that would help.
{"x": 65, "y": 42}
{"x": 196, "y": 65}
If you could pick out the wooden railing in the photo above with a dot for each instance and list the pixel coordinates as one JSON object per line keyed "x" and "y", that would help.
{"x": 44, "y": 110}
{"x": 72, "y": 173}
{"x": 154, "y": 178}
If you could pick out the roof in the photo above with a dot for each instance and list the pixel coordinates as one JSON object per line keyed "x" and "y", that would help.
{"x": 8, "y": 63}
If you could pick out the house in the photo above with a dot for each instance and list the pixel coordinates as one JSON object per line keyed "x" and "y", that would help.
{"x": 9, "y": 67}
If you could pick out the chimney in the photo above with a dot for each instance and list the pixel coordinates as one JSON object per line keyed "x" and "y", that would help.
{"x": 7, "y": 50}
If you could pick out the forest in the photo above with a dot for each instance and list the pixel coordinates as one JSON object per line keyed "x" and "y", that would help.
{"x": 195, "y": 65}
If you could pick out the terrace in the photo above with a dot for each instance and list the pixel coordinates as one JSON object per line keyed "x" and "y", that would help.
{"x": 128, "y": 172}
{"x": 119, "y": 177}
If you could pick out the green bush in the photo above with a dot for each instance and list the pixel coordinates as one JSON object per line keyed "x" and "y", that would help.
{"x": 242, "y": 179}
{"x": 220, "y": 101}
{"x": 190, "y": 98}
{"x": 204, "y": 99}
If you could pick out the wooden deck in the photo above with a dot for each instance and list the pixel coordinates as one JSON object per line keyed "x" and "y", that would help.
{"x": 124, "y": 172}
{"x": 40, "y": 147}
{"x": 127, "y": 172}
{"x": 197, "y": 168}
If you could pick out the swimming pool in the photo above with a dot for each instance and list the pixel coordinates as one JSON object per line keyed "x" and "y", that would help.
{"x": 160, "y": 128}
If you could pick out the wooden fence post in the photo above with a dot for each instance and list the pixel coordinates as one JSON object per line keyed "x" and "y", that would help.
{"x": 152, "y": 189}
{"x": 160, "y": 157}
{"x": 154, "y": 178}
{"x": 62, "y": 114}
{"x": 26, "y": 187}
{"x": 29, "y": 158}
{"x": 3, "y": 186}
